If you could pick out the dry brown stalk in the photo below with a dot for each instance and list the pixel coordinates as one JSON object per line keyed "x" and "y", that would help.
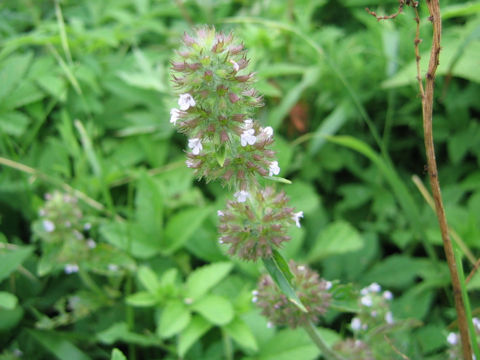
{"x": 427, "y": 110}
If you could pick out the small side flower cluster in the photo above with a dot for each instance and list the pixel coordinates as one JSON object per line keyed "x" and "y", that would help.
{"x": 311, "y": 290}
{"x": 453, "y": 340}
{"x": 374, "y": 309}
{"x": 354, "y": 349}
{"x": 215, "y": 109}
{"x": 63, "y": 231}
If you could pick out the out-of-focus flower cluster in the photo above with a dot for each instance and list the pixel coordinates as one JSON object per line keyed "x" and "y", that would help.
{"x": 374, "y": 309}
{"x": 354, "y": 349}
{"x": 65, "y": 239}
{"x": 454, "y": 345}
{"x": 254, "y": 228}
{"x": 312, "y": 291}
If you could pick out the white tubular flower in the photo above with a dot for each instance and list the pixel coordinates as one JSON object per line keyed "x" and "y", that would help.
{"x": 273, "y": 169}
{"x": 241, "y": 196}
{"x": 452, "y": 338}
{"x": 236, "y": 67}
{"x": 174, "y": 116}
{"x": 356, "y": 324}
{"x": 196, "y": 145}
{"x": 186, "y": 101}
{"x": 387, "y": 295}
{"x": 247, "y": 124}
{"x": 328, "y": 285}
{"x": 220, "y": 213}
{"x": 296, "y": 217}
{"x": 476, "y": 323}
{"x": 366, "y": 300}
{"x": 268, "y": 132}
{"x": 389, "y": 317}
{"x": 374, "y": 287}
{"x": 248, "y": 137}
{"x": 48, "y": 226}
{"x": 91, "y": 244}
{"x": 70, "y": 268}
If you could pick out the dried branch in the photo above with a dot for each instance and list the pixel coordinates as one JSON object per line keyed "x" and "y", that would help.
{"x": 427, "y": 110}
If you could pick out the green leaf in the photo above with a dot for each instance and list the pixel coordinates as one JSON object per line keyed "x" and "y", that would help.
{"x": 119, "y": 332}
{"x": 117, "y": 355}
{"x": 241, "y": 333}
{"x": 204, "y": 278}
{"x": 142, "y": 299}
{"x": 214, "y": 308}
{"x": 288, "y": 345}
{"x": 174, "y": 318}
{"x": 55, "y": 343}
{"x": 148, "y": 279}
{"x": 182, "y": 226}
{"x": 8, "y": 301}
{"x": 194, "y": 331}
{"x": 13, "y": 123}
{"x": 338, "y": 238}
{"x": 396, "y": 271}
{"x": 281, "y": 280}
{"x": 10, "y": 318}
{"x": 12, "y": 72}
{"x": 12, "y": 259}
{"x": 149, "y": 206}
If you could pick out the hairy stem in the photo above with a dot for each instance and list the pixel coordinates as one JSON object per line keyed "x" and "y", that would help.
{"x": 317, "y": 339}
{"x": 427, "y": 110}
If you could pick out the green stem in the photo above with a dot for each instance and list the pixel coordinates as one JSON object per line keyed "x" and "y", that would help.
{"x": 468, "y": 310}
{"x": 227, "y": 345}
{"x": 321, "y": 344}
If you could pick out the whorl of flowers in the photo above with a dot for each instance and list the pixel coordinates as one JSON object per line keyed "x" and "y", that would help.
{"x": 216, "y": 104}
{"x": 254, "y": 228}
{"x": 62, "y": 228}
{"x": 354, "y": 349}
{"x": 311, "y": 290}
{"x": 374, "y": 309}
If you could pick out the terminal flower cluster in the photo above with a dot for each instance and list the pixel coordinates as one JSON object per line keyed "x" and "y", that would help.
{"x": 374, "y": 309}
{"x": 312, "y": 290}
{"x": 215, "y": 111}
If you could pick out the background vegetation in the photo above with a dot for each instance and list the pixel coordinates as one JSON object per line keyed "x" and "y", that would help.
{"x": 85, "y": 97}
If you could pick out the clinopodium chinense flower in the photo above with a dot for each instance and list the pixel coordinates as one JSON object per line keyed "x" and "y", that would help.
{"x": 256, "y": 223}
{"x": 312, "y": 291}
{"x": 215, "y": 108}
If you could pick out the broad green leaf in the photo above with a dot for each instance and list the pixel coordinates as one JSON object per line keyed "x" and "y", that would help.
{"x": 12, "y": 259}
{"x": 148, "y": 279}
{"x": 12, "y": 72}
{"x": 204, "y": 278}
{"x": 194, "y": 331}
{"x": 117, "y": 355}
{"x": 174, "y": 317}
{"x": 241, "y": 333}
{"x": 58, "y": 345}
{"x": 303, "y": 196}
{"x": 338, "y": 238}
{"x": 216, "y": 309}
{"x": 10, "y": 318}
{"x": 182, "y": 226}
{"x": 288, "y": 345}
{"x": 281, "y": 279}
{"x": 396, "y": 271}
{"x": 119, "y": 332}
{"x": 142, "y": 299}
{"x": 8, "y": 301}
{"x": 13, "y": 123}
{"x": 149, "y": 205}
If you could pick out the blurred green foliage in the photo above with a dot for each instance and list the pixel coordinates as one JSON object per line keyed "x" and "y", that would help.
{"x": 85, "y": 97}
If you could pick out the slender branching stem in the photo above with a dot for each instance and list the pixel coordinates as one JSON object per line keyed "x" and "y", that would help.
{"x": 317, "y": 339}
{"x": 427, "y": 110}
